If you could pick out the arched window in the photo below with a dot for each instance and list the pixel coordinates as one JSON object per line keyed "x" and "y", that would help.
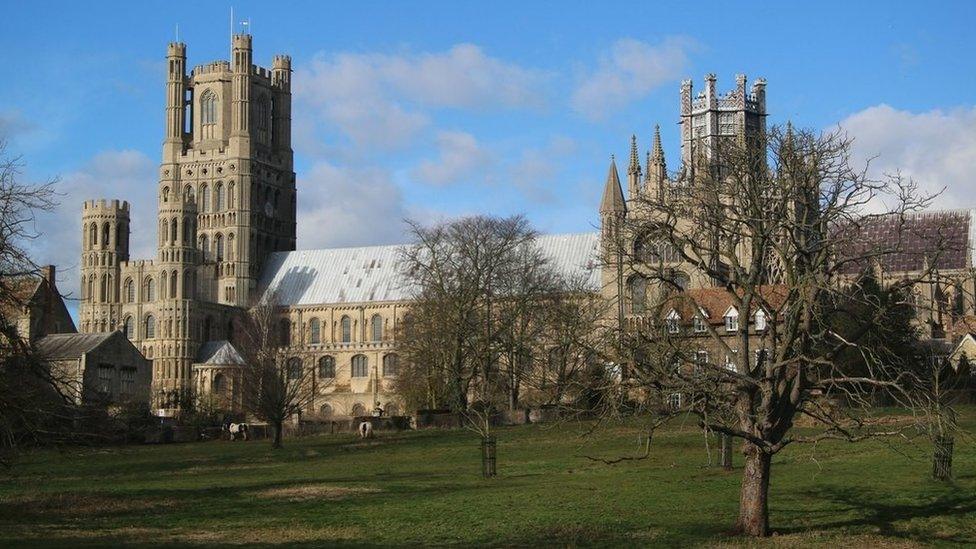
{"x": 149, "y": 289}
{"x": 93, "y": 235}
{"x": 127, "y": 327}
{"x": 219, "y": 198}
{"x": 294, "y": 368}
{"x": 219, "y": 247}
{"x": 103, "y": 289}
{"x": 637, "y": 293}
{"x": 358, "y": 409}
{"x": 284, "y": 332}
{"x": 150, "y": 327}
{"x": 106, "y": 231}
{"x": 204, "y": 198}
{"x": 91, "y": 288}
{"x": 188, "y": 194}
{"x": 165, "y": 194}
{"x": 173, "y": 285}
{"x": 391, "y": 363}
{"x": 325, "y": 411}
{"x": 204, "y": 247}
{"x": 219, "y": 385}
{"x": 327, "y": 367}
{"x": 346, "y": 325}
{"x": 314, "y": 331}
{"x": 208, "y": 114}
{"x": 129, "y": 291}
{"x": 187, "y": 285}
{"x": 163, "y": 231}
{"x": 230, "y": 247}
{"x": 174, "y": 232}
{"x": 163, "y": 285}
{"x": 360, "y": 366}
{"x": 376, "y": 323}
{"x": 230, "y": 194}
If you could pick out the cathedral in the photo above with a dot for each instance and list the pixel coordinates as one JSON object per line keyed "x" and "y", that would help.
{"x": 227, "y": 239}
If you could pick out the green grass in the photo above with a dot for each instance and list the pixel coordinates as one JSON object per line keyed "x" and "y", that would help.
{"x": 424, "y": 488}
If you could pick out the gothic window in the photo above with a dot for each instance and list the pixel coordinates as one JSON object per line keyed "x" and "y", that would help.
{"x": 327, "y": 367}
{"x": 187, "y": 285}
{"x": 230, "y": 247}
{"x": 204, "y": 247}
{"x": 174, "y": 230}
{"x": 284, "y": 332}
{"x": 359, "y": 366}
{"x": 391, "y": 362}
{"x": 314, "y": 331}
{"x": 103, "y": 290}
{"x": 346, "y": 325}
{"x": 377, "y": 324}
{"x": 294, "y": 368}
{"x": 204, "y": 198}
{"x": 149, "y": 289}
{"x": 163, "y": 285}
{"x": 150, "y": 327}
{"x": 172, "y": 285}
{"x": 165, "y": 194}
{"x": 230, "y": 194}
{"x": 163, "y": 231}
{"x": 129, "y": 291}
{"x": 106, "y": 229}
{"x": 219, "y": 198}
{"x": 188, "y": 195}
{"x": 127, "y": 327}
{"x": 637, "y": 293}
{"x": 93, "y": 235}
{"x": 219, "y": 247}
{"x": 91, "y": 288}
{"x": 208, "y": 113}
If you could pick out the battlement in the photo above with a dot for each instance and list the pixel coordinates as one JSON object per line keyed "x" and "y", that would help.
{"x": 735, "y": 100}
{"x": 106, "y": 204}
{"x": 281, "y": 62}
{"x": 241, "y": 41}
{"x": 176, "y": 49}
{"x": 214, "y": 67}
{"x": 136, "y": 263}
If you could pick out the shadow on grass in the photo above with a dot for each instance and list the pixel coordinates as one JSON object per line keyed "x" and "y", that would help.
{"x": 877, "y": 511}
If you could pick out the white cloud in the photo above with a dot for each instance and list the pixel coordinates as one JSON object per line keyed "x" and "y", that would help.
{"x": 381, "y": 99}
{"x": 124, "y": 175}
{"x": 936, "y": 148}
{"x": 629, "y": 71}
{"x": 12, "y": 124}
{"x": 341, "y": 206}
{"x": 538, "y": 169}
{"x": 460, "y": 157}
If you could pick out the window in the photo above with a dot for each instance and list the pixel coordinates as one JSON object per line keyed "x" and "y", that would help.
{"x": 127, "y": 327}
{"x": 105, "y": 372}
{"x": 760, "y": 319}
{"x": 327, "y": 367}
{"x": 219, "y": 247}
{"x": 93, "y": 235}
{"x": 127, "y": 381}
{"x": 730, "y": 360}
{"x": 699, "y": 324}
{"x": 204, "y": 247}
{"x": 204, "y": 198}
{"x": 391, "y": 363}
{"x": 358, "y": 409}
{"x": 674, "y": 401}
{"x": 150, "y": 289}
{"x": 150, "y": 327}
{"x": 230, "y": 247}
{"x": 377, "y": 324}
{"x": 359, "y": 366}
{"x": 314, "y": 331}
{"x": 173, "y": 286}
{"x": 219, "y": 198}
{"x": 284, "y": 332}
{"x": 294, "y": 368}
{"x": 174, "y": 232}
{"x": 230, "y": 194}
{"x": 208, "y": 114}
{"x": 732, "y": 320}
{"x": 187, "y": 285}
{"x": 637, "y": 292}
{"x": 129, "y": 291}
{"x": 219, "y": 385}
{"x": 673, "y": 322}
{"x": 326, "y": 411}
{"x": 346, "y": 325}
{"x": 701, "y": 362}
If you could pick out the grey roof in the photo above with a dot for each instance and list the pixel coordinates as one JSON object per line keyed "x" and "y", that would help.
{"x": 220, "y": 352}
{"x": 370, "y": 274}
{"x": 613, "y": 196}
{"x": 70, "y": 346}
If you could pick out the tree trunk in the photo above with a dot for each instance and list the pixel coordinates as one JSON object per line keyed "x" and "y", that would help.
{"x": 754, "y": 495}
{"x": 942, "y": 459}
{"x": 277, "y": 427}
{"x": 726, "y": 452}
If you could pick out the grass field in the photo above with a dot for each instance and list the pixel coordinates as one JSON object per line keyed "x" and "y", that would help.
{"x": 424, "y": 488}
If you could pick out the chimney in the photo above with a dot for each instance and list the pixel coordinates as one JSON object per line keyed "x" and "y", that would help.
{"x": 47, "y": 273}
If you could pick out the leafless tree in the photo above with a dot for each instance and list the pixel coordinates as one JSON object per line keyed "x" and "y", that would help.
{"x": 276, "y": 387}
{"x": 780, "y": 226}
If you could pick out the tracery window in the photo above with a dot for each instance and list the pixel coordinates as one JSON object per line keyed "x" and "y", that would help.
{"x": 314, "y": 331}
{"x": 327, "y": 367}
{"x": 377, "y": 325}
{"x": 360, "y": 366}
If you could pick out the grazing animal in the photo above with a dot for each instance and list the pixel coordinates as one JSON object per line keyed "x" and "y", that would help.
{"x": 365, "y": 430}
{"x": 236, "y": 429}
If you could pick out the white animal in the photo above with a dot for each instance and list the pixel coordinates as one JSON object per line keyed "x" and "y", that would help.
{"x": 365, "y": 430}
{"x": 236, "y": 429}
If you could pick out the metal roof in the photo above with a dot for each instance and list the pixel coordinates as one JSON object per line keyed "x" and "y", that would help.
{"x": 218, "y": 352}
{"x": 371, "y": 274}
{"x": 70, "y": 346}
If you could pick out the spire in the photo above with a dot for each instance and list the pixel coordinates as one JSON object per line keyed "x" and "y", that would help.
{"x": 633, "y": 171}
{"x": 657, "y": 170}
{"x": 613, "y": 197}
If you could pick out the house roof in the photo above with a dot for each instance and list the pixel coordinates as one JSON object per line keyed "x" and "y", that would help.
{"x": 20, "y": 293}
{"x": 715, "y": 302}
{"x": 373, "y": 274}
{"x": 218, "y": 353}
{"x": 70, "y": 346}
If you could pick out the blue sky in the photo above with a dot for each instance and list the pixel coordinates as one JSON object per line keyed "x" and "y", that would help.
{"x": 438, "y": 109}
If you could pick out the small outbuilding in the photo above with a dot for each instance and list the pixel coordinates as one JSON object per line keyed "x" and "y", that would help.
{"x": 97, "y": 368}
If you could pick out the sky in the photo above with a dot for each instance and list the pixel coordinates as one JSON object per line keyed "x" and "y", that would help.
{"x": 433, "y": 110}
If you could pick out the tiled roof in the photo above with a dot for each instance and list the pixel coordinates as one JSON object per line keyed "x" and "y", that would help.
{"x": 220, "y": 352}
{"x": 70, "y": 346}
{"x": 950, "y": 232}
{"x": 716, "y": 301}
{"x": 371, "y": 274}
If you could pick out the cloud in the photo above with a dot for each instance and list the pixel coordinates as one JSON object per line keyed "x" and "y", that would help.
{"x": 13, "y": 124}
{"x": 342, "y": 206}
{"x": 629, "y": 71}
{"x": 936, "y": 148}
{"x": 383, "y": 100}
{"x": 124, "y": 175}
{"x": 460, "y": 157}
{"x": 539, "y": 168}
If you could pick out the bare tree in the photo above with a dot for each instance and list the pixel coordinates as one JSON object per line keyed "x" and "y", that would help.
{"x": 276, "y": 387}
{"x": 775, "y": 229}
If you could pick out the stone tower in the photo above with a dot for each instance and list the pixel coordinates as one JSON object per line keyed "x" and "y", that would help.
{"x": 105, "y": 244}
{"x": 708, "y": 118}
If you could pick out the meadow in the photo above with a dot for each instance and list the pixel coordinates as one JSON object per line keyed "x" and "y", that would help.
{"x": 424, "y": 488}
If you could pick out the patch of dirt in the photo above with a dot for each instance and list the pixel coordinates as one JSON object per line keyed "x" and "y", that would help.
{"x": 307, "y": 492}
{"x": 72, "y": 504}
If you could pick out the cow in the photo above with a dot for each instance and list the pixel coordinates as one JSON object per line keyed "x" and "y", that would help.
{"x": 236, "y": 429}
{"x": 365, "y": 430}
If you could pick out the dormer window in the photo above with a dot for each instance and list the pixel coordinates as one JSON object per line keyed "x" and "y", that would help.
{"x": 699, "y": 322}
{"x": 731, "y": 320}
{"x": 760, "y": 320}
{"x": 673, "y": 322}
